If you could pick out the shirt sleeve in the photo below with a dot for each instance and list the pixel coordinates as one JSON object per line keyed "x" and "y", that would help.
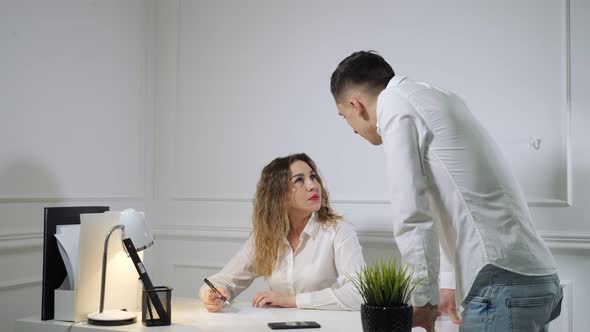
{"x": 237, "y": 274}
{"x": 404, "y": 141}
{"x": 348, "y": 260}
{"x": 447, "y": 272}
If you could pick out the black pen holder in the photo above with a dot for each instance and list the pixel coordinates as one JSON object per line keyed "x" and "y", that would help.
{"x": 156, "y": 308}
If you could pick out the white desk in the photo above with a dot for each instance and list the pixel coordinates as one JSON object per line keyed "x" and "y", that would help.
{"x": 189, "y": 315}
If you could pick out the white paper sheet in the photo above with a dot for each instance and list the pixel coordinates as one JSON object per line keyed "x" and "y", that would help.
{"x": 68, "y": 237}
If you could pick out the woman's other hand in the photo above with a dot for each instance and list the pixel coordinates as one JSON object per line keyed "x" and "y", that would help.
{"x": 273, "y": 299}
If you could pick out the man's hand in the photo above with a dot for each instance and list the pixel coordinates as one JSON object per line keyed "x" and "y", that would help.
{"x": 273, "y": 299}
{"x": 448, "y": 306}
{"x": 424, "y": 317}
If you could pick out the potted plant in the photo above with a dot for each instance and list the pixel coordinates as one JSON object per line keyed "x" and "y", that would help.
{"x": 386, "y": 288}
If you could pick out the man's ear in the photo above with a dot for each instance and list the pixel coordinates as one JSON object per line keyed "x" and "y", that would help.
{"x": 359, "y": 108}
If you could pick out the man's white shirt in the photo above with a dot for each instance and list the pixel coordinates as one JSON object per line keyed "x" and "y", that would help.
{"x": 450, "y": 185}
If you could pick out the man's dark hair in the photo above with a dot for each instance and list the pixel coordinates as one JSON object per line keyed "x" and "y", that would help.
{"x": 361, "y": 68}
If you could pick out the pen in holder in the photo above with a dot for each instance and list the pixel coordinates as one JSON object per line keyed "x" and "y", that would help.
{"x": 149, "y": 314}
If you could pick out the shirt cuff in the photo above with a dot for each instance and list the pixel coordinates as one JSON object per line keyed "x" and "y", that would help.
{"x": 323, "y": 299}
{"x": 203, "y": 292}
{"x": 447, "y": 280}
{"x": 303, "y": 300}
{"x": 426, "y": 293}
{"x": 420, "y": 300}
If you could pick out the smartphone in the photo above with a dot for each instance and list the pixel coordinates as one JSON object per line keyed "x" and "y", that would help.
{"x": 293, "y": 325}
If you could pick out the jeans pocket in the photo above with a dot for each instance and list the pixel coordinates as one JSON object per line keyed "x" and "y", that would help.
{"x": 476, "y": 300}
{"x": 529, "y": 313}
{"x": 475, "y": 313}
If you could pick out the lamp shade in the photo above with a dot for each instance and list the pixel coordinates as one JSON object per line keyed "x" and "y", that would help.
{"x": 136, "y": 229}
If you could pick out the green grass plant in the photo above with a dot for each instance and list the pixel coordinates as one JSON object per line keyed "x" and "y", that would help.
{"x": 385, "y": 284}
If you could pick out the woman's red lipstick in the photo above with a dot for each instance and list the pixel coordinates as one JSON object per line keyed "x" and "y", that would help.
{"x": 315, "y": 197}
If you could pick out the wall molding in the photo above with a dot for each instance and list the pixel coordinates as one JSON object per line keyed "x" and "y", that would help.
{"x": 196, "y": 266}
{"x": 551, "y": 202}
{"x": 565, "y": 112}
{"x": 566, "y": 91}
{"x": 240, "y": 234}
{"x": 20, "y": 240}
{"x": 230, "y": 199}
{"x": 578, "y": 243}
{"x": 46, "y": 198}
{"x": 21, "y": 283}
{"x": 180, "y": 232}
{"x": 244, "y": 199}
{"x": 567, "y": 241}
{"x": 557, "y": 241}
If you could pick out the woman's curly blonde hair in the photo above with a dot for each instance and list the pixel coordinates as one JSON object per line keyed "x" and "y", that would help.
{"x": 271, "y": 204}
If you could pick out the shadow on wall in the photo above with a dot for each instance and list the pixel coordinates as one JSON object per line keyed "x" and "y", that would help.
{"x": 28, "y": 180}
{"x": 26, "y": 186}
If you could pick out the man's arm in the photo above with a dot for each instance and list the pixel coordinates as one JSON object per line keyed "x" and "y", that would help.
{"x": 447, "y": 272}
{"x": 404, "y": 138}
{"x": 447, "y": 304}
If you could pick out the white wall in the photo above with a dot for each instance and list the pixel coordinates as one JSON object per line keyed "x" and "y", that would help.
{"x": 175, "y": 106}
{"x": 76, "y": 124}
{"x": 241, "y": 83}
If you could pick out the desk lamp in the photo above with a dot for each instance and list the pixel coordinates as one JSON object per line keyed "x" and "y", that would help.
{"x": 133, "y": 228}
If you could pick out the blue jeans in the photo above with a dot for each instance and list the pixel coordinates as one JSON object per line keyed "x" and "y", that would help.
{"x": 504, "y": 301}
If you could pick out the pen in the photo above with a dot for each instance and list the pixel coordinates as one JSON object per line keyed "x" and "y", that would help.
{"x": 216, "y": 291}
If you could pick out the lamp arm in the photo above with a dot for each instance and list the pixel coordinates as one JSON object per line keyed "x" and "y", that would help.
{"x": 104, "y": 264}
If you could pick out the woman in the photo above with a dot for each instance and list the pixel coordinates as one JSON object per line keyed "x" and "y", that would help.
{"x": 299, "y": 245}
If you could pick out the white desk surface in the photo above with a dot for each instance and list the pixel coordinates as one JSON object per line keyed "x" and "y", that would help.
{"x": 190, "y": 315}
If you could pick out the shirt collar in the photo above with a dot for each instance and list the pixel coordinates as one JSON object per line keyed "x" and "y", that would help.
{"x": 393, "y": 83}
{"x": 312, "y": 227}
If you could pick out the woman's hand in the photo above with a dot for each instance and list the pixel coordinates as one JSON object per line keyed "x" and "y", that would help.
{"x": 273, "y": 299}
{"x": 213, "y": 301}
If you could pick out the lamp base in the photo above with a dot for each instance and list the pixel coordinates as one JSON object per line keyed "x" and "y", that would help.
{"x": 112, "y": 318}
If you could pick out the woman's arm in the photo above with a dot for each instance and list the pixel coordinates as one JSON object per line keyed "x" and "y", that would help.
{"x": 348, "y": 260}
{"x": 236, "y": 275}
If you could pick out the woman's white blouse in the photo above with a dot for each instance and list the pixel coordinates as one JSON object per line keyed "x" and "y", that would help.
{"x": 316, "y": 272}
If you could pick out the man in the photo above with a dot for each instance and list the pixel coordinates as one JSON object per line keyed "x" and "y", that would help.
{"x": 450, "y": 185}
